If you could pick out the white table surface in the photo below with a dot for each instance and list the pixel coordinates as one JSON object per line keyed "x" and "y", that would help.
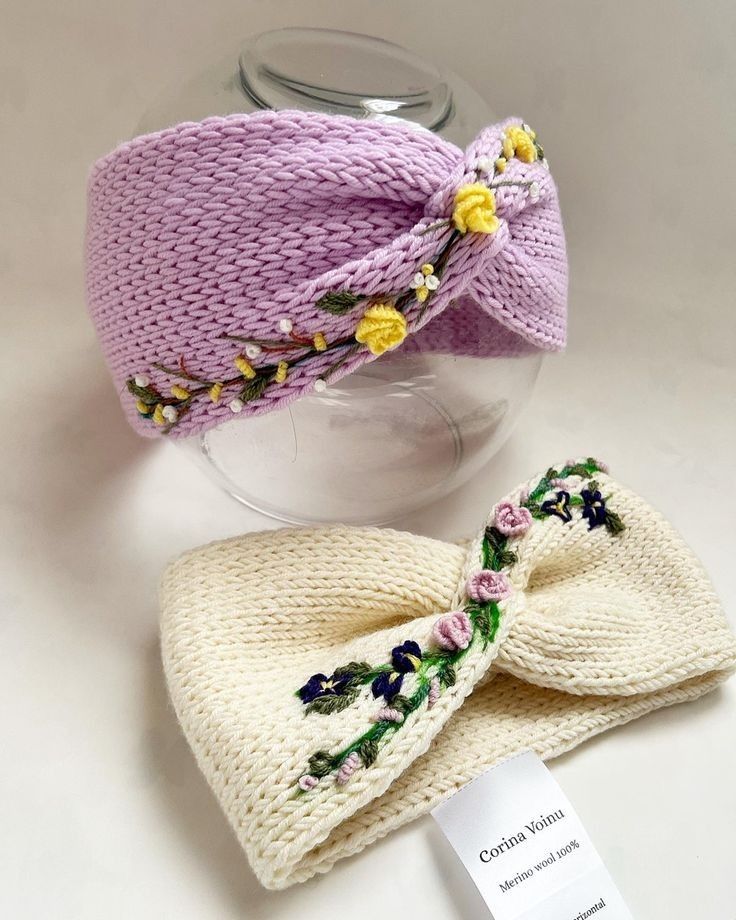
{"x": 103, "y": 811}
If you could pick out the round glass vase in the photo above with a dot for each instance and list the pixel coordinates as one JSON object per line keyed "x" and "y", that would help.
{"x": 404, "y": 430}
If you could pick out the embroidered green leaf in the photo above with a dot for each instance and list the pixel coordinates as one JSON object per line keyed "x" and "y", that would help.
{"x": 579, "y": 469}
{"x": 543, "y": 486}
{"x": 447, "y": 674}
{"x": 495, "y": 555}
{"x": 477, "y": 613}
{"x": 146, "y": 394}
{"x": 402, "y": 703}
{"x": 593, "y": 485}
{"x": 253, "y": 389}
{"x": 486, "y": 619}
{"x": 320, "y": 764}
{"x": 504, "y": 559}
{"x": 368, "y": 751}
{"x": 326, "y": 705}
{"x": 359, "y": 670}
{"x": 495, "y": 538}
{"x": 614, "y": 524}
{"x": 338, "y": 302}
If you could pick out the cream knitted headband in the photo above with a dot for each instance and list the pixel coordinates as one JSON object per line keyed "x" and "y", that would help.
{"x": 323, "y": 677}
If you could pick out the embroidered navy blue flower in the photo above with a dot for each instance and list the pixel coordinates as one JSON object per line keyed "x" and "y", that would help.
{"x": 320, "y": 685}
{"x": 594, "y": 509}
{"x": 405, "y": 658}
{"x": 387, "y": 684}
{"x": 559, "y": 506}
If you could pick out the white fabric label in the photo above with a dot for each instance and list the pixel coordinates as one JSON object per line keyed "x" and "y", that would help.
{"x": 526, "y": 849}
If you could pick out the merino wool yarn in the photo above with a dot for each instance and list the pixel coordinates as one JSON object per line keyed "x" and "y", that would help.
{"x": 238, "y": 263}
{"x": 335, "y": 683}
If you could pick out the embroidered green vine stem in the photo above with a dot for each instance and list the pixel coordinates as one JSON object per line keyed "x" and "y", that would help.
{"x": 251, "y": 384}
{"x": 442, "y": 666}
{"x": 454, "y": 634}
{"x": 383, "y": 325}
{"x": 485, "y": 619}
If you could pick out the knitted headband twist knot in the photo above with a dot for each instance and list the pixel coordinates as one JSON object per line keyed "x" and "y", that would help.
{"x": 335, "y": 683}
{"x": 236, "y": 264}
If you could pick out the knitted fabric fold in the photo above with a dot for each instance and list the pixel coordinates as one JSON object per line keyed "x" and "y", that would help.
{"x": 335, "y": 683}
{"x": 236, "y": 264}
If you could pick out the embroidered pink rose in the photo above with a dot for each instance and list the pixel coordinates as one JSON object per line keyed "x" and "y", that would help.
{"x": 487, "y": 586}
{"x": 512, "y": 520}
{"x": 453, "y": 631}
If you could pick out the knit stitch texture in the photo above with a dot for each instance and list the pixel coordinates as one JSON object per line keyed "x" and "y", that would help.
{"x": 231, "y": 230}
{"x": 601, "y": 618}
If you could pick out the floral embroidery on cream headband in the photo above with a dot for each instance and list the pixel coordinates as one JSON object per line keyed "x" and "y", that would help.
{"x": 434, "y": 667}
{"x": 335, "y": 683}
{"x": 238, "y": 263}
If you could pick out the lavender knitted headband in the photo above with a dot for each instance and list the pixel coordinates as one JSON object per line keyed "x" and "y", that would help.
{"x": 238, "y": 263}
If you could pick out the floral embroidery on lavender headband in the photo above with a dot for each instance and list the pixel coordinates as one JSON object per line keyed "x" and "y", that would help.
{"x": 381, "y": 327}
{"x": 434, "y": 668}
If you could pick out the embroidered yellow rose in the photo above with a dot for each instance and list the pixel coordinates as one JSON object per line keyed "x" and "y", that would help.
{"x": 519, "y": 143}
{"x": 475, "y": 209}
{"x": 382, "y": 327}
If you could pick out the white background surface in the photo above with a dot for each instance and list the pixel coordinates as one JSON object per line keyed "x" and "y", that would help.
{"x": 103, "y": 811}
